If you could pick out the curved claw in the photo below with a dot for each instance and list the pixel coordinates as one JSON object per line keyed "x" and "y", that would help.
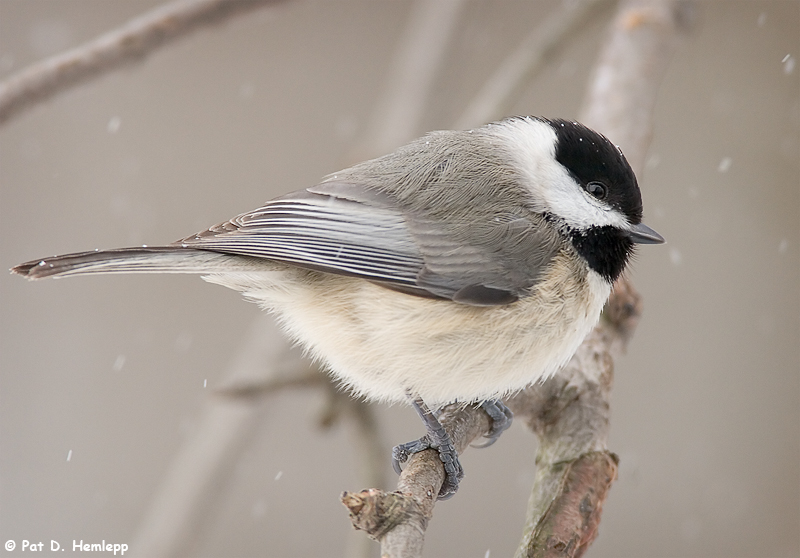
{"x": 401, "y": 452}
{"x": 453, "y": 474}
{"x": 397, "y": 459}
{"x": 501, "y": 416}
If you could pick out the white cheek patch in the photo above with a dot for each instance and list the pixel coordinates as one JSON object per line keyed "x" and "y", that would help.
{"x": 532, "y": 144}
{"x": 566, "y": 199}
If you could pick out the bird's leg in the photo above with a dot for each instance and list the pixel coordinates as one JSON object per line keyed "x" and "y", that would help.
{"x": 501, "y": 419}
{"x": 438, "y": 439}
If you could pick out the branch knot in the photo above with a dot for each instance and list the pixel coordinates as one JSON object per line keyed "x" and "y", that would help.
{"x": 377, "y": 512}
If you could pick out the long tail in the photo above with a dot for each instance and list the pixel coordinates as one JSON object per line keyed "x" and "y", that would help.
{"x": 155, "y": 259}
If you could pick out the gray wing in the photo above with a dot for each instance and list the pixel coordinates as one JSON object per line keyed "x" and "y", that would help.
{"x": 324, "y": 232}
{"x": 353, "y": 230}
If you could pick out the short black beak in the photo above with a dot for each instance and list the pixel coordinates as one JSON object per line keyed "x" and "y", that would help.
{"x": 642, "y": 234}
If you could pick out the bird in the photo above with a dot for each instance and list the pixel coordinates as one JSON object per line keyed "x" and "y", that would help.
{"x": 462, "y": 267}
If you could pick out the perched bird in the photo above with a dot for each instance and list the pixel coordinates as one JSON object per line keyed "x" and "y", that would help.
{"x": 462, "y": 267}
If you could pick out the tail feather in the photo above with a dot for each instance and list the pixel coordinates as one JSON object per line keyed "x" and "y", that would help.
{"x": 155, "y": 259}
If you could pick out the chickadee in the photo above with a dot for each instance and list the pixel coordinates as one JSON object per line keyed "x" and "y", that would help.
{"x": 464, "y": 266}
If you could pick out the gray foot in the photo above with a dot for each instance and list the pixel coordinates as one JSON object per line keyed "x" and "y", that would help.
{"x": 501, "y": 420}
{"x": 438, "y": 439}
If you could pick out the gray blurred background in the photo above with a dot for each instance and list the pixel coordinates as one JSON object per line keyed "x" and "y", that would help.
{"x": 111, "y": 370}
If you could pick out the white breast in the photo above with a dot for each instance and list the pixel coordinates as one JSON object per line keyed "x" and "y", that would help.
{"x": 381, "y": 343}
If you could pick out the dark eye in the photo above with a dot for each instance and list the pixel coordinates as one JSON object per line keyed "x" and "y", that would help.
{"x": 597, "y": 189}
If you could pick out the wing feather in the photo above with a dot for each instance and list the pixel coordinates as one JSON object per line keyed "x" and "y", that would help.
{"x": 354, "y": 230}
{"x": 325, "y": 232}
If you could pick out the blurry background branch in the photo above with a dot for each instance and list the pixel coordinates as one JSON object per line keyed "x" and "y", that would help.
{"x": 499, "y": 93}
{"x": 397, "y": 116}
{"x": 629, "y": 71}
{"x": 264, "y": 363}
{"x": 131, "y": 42}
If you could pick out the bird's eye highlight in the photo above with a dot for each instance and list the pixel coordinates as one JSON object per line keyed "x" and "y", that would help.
{"x": 597, "y": 189}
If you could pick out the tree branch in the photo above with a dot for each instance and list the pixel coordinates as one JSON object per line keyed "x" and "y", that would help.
{"x": 569, "y": 412}
{"x": 398, "y": 520}
{"x": 131, "y": 42}
{"x": 570, "y": 415}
